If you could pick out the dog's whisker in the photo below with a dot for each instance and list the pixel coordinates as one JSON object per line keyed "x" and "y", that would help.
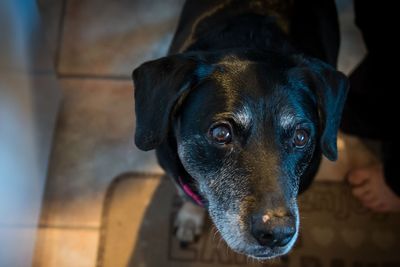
{"x": 226, "y": 251}
{"x": 247, "y": 260}
{"x": 219, "y": 243}
{"x": 215, "y": 232}
{"x": 251, "y": 259}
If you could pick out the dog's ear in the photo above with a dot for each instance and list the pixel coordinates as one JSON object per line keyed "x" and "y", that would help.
{"x": 330, "y": 87}
{"x": 159, "y": 86}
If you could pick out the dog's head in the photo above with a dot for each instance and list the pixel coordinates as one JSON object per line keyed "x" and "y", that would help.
{"x": 247, "y": 126}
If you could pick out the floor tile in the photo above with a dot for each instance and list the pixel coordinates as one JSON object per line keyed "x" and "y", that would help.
{"x": 103, "y": 37}
{"x": 93, "y": 144}
{"x": 66, "y": 248}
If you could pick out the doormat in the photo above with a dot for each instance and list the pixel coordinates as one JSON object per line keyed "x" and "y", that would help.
{"x": 335, "y": 231}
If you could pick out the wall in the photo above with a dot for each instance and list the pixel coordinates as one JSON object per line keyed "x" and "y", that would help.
{"x": 29, "y": 99}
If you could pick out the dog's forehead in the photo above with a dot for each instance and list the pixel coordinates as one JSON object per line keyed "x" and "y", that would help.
{"x": 249, "y": 86}
{"x": 216, "y": 100}
{"x": 232, "y": 70}
{"x": 245, "y": 91}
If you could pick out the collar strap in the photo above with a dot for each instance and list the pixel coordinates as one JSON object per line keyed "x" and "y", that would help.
{"x": 196, "y": 198}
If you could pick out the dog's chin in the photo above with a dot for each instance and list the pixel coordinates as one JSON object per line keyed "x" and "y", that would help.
{"x": 268, "y": 253}
{"x": 265, "y": 253}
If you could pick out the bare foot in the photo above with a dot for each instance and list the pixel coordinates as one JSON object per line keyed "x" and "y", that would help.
{"x": 370, "y": 188}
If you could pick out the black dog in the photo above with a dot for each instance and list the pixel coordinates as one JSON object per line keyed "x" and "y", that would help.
{"x": 241, "y": 111}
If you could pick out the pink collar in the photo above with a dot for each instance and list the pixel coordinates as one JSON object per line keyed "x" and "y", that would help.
{"x": 190, "y": 192}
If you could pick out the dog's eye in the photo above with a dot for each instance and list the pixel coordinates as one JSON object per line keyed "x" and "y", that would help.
{"x": 300, "y": 138}
{"x": 221, "y": 133}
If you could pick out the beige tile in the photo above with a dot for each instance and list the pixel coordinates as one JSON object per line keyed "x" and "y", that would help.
{"x": 66, "y": 248}
{"x": 93, "y": 144}
{"x": 112, "y": 37}
{"x": 103, "y": 37}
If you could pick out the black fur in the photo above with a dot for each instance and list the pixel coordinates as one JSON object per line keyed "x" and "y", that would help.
{"x": 265, "y": 68}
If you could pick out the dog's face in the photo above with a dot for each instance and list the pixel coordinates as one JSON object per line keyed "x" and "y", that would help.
{"x": 246, "y": 128}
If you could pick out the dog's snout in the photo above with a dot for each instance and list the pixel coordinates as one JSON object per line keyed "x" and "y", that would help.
{"x": 272, "y": 230}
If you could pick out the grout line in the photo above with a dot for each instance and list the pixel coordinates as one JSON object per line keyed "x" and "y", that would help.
{"x": 60, "y": 35}
{"x": 94, "y": 76}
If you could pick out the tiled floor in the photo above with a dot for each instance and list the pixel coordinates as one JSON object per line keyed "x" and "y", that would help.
{"x": 110, "y": 38}
{"x": 66, "y": 247}
{"x": 93, "y": 145}
{"x": 97, "y": 43}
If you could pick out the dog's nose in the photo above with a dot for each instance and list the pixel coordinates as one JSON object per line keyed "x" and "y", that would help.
{"x": 273, "y": 231}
